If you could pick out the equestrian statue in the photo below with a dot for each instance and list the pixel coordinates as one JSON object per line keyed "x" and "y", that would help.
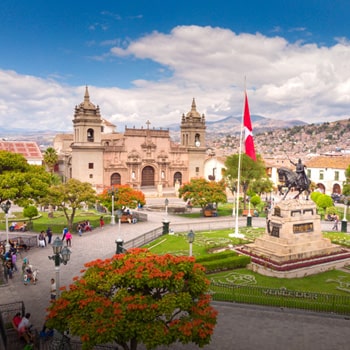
{"x": 297, "y": 180}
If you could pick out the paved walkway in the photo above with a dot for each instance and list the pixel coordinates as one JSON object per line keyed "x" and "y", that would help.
{"x": 239, "y": 326}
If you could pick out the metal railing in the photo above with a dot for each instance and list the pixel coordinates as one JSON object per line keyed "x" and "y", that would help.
{"x": 319, "y": 302}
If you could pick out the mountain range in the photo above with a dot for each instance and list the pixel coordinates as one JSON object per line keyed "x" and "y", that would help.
{"x": 227, "y": 126}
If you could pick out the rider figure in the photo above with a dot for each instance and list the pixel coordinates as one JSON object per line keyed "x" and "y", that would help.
{"x": 300, "y": 171}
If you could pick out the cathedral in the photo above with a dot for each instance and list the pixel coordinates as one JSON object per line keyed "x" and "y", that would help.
{"x": 140, "y": 157}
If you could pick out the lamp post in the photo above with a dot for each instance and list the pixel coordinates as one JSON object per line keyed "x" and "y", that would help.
{"x": 344, "y": 223}
{"x": 112, "y": 192}
{"x": 190, "y": 238}
{"x": 61, "y": 255}
{"x": 6, "y": 207}
{"x": 166, "y": 203}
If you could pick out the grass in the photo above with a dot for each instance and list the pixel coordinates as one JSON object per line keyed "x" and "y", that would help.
{"x": 58, "y": 222}
{"x": 328, "y": 282}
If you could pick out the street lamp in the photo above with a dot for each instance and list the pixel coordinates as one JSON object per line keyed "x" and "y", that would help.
{"x": 166, "y": 203}
{"x": 6, "y": 207}
{"x": 190, "y": 238}
{"x": 61, "y": 255}
{"x": 112, "y": 191}
{"x": 344, "y": 223}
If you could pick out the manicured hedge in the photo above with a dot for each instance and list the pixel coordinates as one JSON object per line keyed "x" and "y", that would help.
{"x": 229, "y": 263}
{"x": 216, "y": 256}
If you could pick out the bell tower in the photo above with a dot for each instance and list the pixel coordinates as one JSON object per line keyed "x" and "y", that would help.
{"x": 193, "y": 138}
{"x": 87, "y": 149}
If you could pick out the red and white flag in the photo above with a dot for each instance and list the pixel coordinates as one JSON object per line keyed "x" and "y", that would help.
{"x": 248, "y": 131}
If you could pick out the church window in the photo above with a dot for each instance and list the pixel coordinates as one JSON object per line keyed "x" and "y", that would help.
{"x": 90, "y": 135}
{"x": 91, "y": 176}
{"x": 91, "y": 165}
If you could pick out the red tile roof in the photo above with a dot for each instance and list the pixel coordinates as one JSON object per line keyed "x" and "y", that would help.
{"x": 30, "y": 150}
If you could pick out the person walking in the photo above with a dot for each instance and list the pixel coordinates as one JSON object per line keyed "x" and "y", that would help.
{"x": 14, "y": 261}
{"x": 69, "y": 239}
{"x": 336, "y": 221}
{"x": 102, "y": 223}
{"x": 53, "y": 289}
{"x": 49, "y": 235}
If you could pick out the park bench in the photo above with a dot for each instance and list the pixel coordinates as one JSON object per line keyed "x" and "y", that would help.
{"x": 19, "y": 227}
{"x": 128, "y": 218}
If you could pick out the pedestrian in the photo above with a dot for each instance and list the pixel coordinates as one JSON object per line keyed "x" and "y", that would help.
{"x": 69, "y": 239}
{"x": 49, "y": 235}
{"x": 42, "y": 239}
{"x": 102, "y": 223}
{"x": 53, "y": 289}
{"x": 14, "y": 261}
{"x": 336, "y": 221}
{"x": 65, "y": 230}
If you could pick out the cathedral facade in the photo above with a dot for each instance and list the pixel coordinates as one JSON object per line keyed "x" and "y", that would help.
{"x": 140, "y": 157}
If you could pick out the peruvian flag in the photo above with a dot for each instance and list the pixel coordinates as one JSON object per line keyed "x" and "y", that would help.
{"x": 248, "y": 131}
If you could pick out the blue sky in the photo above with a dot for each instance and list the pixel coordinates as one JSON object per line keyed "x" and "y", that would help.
{"x": 147, "y": 60}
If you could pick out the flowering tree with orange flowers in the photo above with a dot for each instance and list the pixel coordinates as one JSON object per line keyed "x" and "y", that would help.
{"x": 137, "y": 297}
{"x": 124, "y": 196}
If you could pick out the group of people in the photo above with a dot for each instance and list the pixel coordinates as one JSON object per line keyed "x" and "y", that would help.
{"x": 84, "y": 226}
{"x": 23, "y": 327}
{"x": 10, "y": 263}
{"x": 45, "y": 237}
{"x": 28, "y": 273}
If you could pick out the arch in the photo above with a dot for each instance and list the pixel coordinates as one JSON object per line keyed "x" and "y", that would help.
{"x": 178, "y": 177}
{"x": 336, "y": 189}
{"x": 321, "y": 187}
{"x": 147, "y": 176}
{"x": 90, "y": 135}
{"x": 116, "y": 179}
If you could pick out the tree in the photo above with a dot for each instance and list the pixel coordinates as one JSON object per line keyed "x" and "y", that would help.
{"x": 21, "y": 182}
{"x": 251, "y": 171}
{"x": 70, "y": 196}
{"x": 324, "y": 201}
{"x": 202, "y": 192}
{"x": 124, "y": 196}
{"x": 50, "y": 158}
{"x": 137, "y": 297}
{"x": 30, "y": 212}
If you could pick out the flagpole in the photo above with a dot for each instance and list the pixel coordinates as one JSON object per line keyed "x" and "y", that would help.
{"x": 236, "y": 233}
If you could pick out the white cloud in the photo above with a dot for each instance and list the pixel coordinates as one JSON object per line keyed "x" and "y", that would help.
{"x": 284, "y": 80}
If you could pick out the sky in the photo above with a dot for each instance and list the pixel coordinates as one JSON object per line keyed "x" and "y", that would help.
{"x": 146, "y": 60}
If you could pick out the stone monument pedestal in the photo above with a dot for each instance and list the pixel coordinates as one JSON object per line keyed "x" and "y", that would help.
{"x": 293, "y": 245}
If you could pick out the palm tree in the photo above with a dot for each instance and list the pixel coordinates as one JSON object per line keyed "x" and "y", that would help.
{"x": 50, "y": 158}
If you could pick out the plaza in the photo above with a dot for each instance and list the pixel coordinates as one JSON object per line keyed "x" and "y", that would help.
{"x": 239, "y": 326}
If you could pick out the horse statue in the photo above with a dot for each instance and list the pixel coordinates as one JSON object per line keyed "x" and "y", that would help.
{"x": 292, "y": 180}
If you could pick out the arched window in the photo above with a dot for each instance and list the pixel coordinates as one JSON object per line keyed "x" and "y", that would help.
{"x": 90, "y": 135}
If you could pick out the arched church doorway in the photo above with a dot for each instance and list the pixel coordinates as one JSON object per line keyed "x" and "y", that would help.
{"x": 321, "y": 188}
{"x": 116, "y": 179}
{"x": 336, "y": 189}
{"x": 177, "y": 178}
{"x": 147, "y": 176}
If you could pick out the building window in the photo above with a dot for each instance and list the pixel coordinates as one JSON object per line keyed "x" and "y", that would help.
{"x": 91, "y": 176}
{"x": 90, "y": 135}
{"x": 321, "y": 174}
{"x": 91, "y": 165}
{"x": 336, "y": 175}
{"x": 308, "y": 173}
{"x": 197, "y": 169}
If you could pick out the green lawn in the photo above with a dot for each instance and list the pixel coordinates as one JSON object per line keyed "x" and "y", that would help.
{"x": 327, "y": 282}
{"x": 58, "y": 222}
